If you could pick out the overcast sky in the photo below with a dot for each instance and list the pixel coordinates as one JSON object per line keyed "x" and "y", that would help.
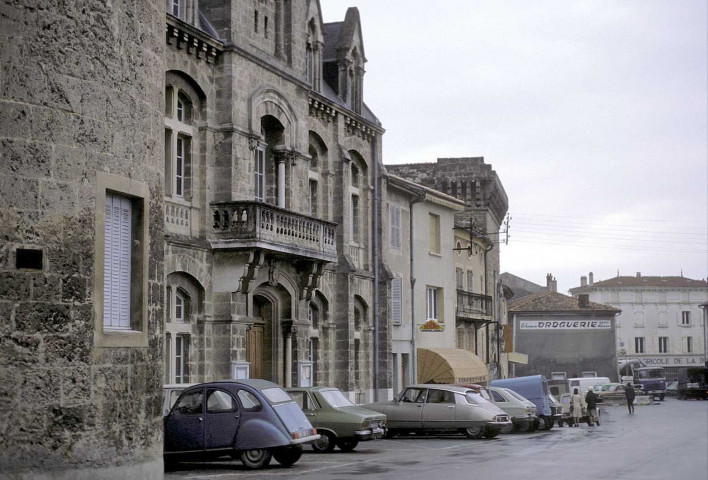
{"x": 593, "y": 114}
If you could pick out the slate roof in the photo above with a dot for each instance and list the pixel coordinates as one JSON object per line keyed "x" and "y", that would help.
{"x": 556, "y": 302}
{"x": 332, "y": 34}
{"x": 642, "y": 281}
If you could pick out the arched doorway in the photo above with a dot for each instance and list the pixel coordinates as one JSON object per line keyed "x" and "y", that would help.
{"x": 265, "y": 347}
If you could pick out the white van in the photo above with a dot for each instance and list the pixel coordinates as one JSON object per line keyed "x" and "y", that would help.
{"x": 582, "y": 383}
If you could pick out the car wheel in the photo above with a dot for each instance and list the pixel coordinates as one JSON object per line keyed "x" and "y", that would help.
{"x": 549, "y": 423}
{"x": 506, "y": 429}
{"x": 523, "y": 426}
{"x": 473, "y": 432}
{"x": 325, "y": 444}
{"x": 661, "y": 397}
{"x": 541, "y": 423}
{"x": 347, "y": 444}
{"x": 287, "y": 456}
{"x": 256, "y": 458}
{"x": 491, "y": 432}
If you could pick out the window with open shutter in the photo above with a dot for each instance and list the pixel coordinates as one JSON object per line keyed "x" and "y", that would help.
{"x": 396, "y": 300}
{"x": 117, "y": 260}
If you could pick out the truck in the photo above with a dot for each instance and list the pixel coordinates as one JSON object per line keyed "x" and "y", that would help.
{"x": 535, "y": 389}
{"x": 650, "y": 380}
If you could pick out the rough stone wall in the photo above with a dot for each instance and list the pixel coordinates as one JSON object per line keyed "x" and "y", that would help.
{"x": 81, "y": 92}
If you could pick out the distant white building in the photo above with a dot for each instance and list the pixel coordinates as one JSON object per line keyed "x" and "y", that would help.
{"x": 661, "y": 321}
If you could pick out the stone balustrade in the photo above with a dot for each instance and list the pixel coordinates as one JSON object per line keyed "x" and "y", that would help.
{"x": 178, "y": 218}
{"x": 255, "y": 224}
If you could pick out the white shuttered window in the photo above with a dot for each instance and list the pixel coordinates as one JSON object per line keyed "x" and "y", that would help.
{"x": 396, "y": 300}
{"x": 395, "y": 211}
{"x": 116, "y": 268}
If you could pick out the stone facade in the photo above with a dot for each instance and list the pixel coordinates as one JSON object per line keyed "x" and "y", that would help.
{"x": 81, "y": 95}
{"x": 270, "y": 165}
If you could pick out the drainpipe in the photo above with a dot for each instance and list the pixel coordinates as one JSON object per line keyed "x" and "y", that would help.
{"x": 414, "y": 352}
{"x": 375, "y": 156}
{"x": 513, "y": 342}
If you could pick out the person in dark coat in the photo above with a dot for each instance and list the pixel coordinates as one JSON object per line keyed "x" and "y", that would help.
{"x": 629, "y": 394}
{"x": 591, "y": 402}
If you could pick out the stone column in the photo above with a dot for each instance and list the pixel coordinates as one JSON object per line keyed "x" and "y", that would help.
{"x": 281, "y": 181}
{"x": 288, "y": 331}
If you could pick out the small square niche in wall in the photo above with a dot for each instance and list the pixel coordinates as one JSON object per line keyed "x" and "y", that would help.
{"x": 28, "y": 259}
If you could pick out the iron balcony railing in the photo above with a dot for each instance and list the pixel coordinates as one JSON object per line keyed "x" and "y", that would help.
{"x": 471, "y": 304}
{"x": 256, "y": 224}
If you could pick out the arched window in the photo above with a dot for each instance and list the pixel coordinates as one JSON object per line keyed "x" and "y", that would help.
{"x": 355, "y": 175}
{"x": 179, "y": 308}
{"x": 313, "y": 316}
{"x": 180, "y": 136}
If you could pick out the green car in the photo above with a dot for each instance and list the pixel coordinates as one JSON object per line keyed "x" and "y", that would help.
{"x": 338, "y": 421}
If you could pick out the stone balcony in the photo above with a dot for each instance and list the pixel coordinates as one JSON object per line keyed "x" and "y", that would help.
{"x": 248, "y": 224}
{"x": 473, "y": 306}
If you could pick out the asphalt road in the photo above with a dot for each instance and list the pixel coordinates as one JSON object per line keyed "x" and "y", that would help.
{"x": 667, "y": 440}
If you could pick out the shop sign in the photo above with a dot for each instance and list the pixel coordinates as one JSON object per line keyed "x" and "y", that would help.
{"x": 672, "y": 360}
{"x": 565, "y": 324}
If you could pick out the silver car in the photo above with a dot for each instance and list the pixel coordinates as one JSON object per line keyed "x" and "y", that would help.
{"x": 521, "y": 410}
{"x": 432, "y": 408}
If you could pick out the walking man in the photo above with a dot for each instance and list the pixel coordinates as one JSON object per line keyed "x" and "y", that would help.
{"x": 591, "y": 402}
{"x": 629, "y": 394}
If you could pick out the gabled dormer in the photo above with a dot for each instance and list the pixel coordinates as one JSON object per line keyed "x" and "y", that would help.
{"x": 344, "y": 59}
{"x": 314, "y": 45}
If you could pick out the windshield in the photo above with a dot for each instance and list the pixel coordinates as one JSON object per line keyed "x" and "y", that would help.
{"x": 474, "y": 398}
{"x": 651, "y": 373}
{"x": 515, "y": 395}
{"x": 336, "y": 398}
{"x": 276, "y": 395}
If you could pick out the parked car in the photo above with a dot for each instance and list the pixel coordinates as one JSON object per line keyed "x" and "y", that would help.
{"x": 253, "y": 420}
{"x": 486, "y": 394}
{"x": 693, "y": 382}
{"x": 672, "y": 389}
{"x": 521, "y": 410}
{"x": 431, "y": 408}
{"x": 613, "y": 393}
{"x": 535, "y": 389}
{"x": 170, "y": 394}
{"x": 338, "y": 421}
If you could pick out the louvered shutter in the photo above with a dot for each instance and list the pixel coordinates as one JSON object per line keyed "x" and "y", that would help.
{"x": 396, "y": 300}
{"x": 395, "y": 212}
{"x": 116, "y": 275}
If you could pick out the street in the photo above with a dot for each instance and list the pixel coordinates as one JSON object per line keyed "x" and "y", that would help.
{"x": 666, "y": 440}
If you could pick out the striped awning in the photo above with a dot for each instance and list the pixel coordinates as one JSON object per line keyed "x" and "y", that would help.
{"x": 452, "y": 365}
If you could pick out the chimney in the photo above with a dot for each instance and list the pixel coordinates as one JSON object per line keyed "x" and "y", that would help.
{"x": 554, "y": 285}
{"x": 549, "y": 282}
{"x": 583, "y": 300}
{"x": 639, "y": 274}
{"x": 583, "y": 281}
{"x": 590, "y": 279}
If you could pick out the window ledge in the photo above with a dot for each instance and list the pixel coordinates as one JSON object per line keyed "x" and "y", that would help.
{"x": 435, "y": 254}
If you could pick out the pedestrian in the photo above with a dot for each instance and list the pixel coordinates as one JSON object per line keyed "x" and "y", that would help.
{"x": 577, "y": 405}
{"x": 591, "y": 401}
{"x": 629, "y": 394}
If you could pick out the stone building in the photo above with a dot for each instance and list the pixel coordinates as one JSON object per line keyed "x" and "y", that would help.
{"x": 661, "y": 322}
{"x": 476, "y": 184}
{"x": 81, "y": 239}
{"x": 270, "y": 182}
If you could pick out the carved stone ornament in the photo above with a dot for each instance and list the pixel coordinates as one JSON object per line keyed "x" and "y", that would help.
{"x": 253, "y": 264}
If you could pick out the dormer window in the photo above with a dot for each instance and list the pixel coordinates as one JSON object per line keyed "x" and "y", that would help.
{"x": 174, "y": 10}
